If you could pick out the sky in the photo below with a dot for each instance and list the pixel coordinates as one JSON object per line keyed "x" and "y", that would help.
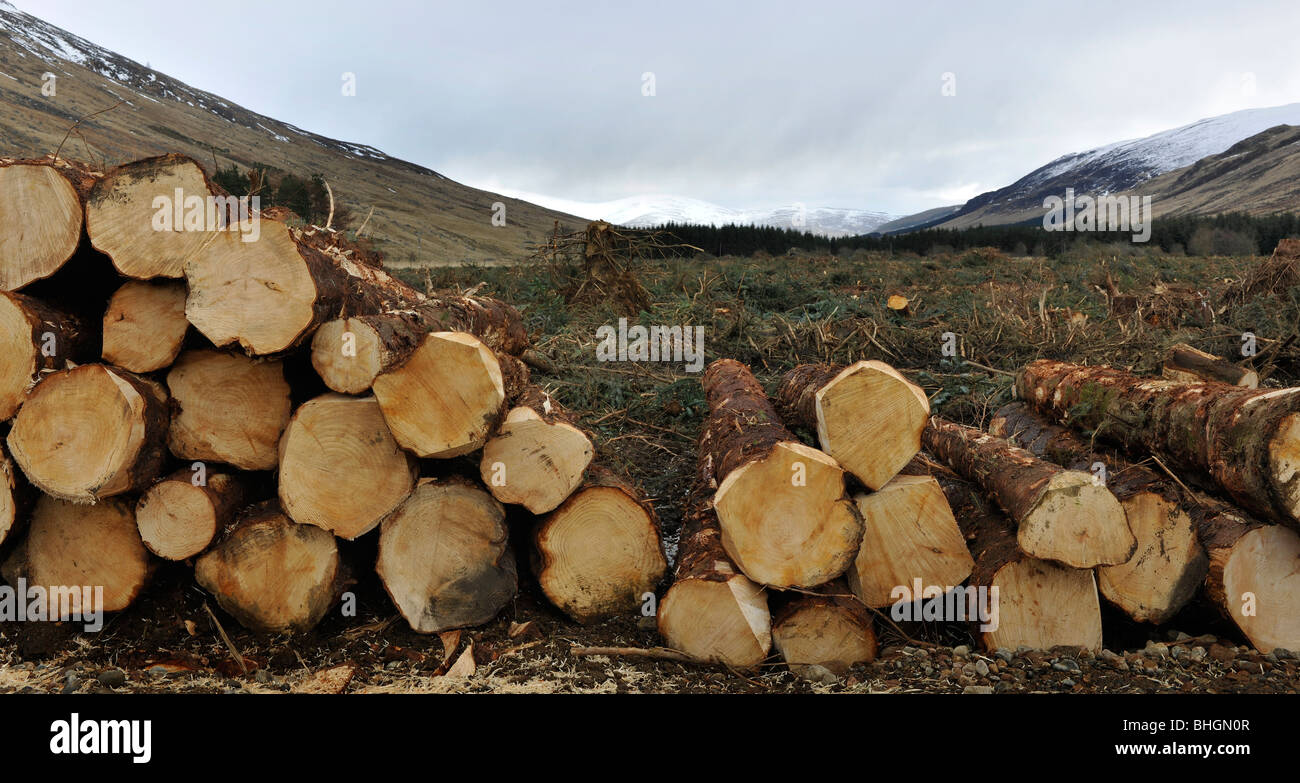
{"x": 894, "y": 107}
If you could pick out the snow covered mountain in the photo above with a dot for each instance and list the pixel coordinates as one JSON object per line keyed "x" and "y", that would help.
{"x": 1123, "y": 166}
{"x": 644, "y": 211}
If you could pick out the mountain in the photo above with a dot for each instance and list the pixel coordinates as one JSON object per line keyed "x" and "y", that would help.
{"x": 1124, "y": 166}
{"x": 419, "y": 216}
{"x": 645, "y": 211}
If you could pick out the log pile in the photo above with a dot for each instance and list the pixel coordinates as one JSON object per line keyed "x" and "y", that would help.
{"x": 213, "y": 386}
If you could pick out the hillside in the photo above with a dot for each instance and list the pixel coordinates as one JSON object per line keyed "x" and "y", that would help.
{"x": 420, "y": 216}
{"x": 1124, "y": 166}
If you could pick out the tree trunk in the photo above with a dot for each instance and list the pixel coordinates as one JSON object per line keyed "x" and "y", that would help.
{"x": 80, "y": 548}
{"x": 599, "y": 553}
{"x": 144, "y": 237}
{"x": 179, "y": 518}
{"x": 1060, "y": 515}
{"x": 40, "y": 219}
{"x": 712, "y": 612}
{"x": 228, "y": 408}
{"x": 448, "y": 396}
{"x": 271, "y": 573}
{"x": 1246, "y": 441}
{"x": 786, "y": 518}
{"x": 269, "y": 296}
{"x": 538, "y": 455}
{"x": 1039, "y": 604}
{"x": 145, "y": 325}
{"x": 1252, "y": 575}
{"x": 867, "y": 416}
{"x": 91, "y": 432}
{"x": 349, "y": 353}
{"x": 1186, "y": 364}
{"x": 829, "y": 628}
{"x": 35, "y": 340}
{"x": 1169, "y": 564}
{"x": 445, "y": 558}
{"x": 910, "y": 533}
{"x": 340, "y": 469}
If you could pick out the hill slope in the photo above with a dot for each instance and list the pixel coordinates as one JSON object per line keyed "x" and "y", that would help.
{"x": 420, "y": 216}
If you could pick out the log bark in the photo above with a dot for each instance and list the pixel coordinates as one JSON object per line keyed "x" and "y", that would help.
{"x": 1169, "y": 563}
{"x": 1060, "y": 515}
{"x": 1252, "y": 576}
{"x": 449, "y": 395}
{"x": 179, "y": 518}
{"x": 91, "y": 432}
{"x": 76, "y": 546}
{"x": 131, "y": 215}
{"x": 786, "y": 518}
{"x": 269, "y": 296}
{"x": 349, "y": 353}
{"x": 867, "y": 416}
{"x": 228, "y": 408}
{"x": 144, "y": 326}
{"x": 1186, "y": 364}
{"x": 829, "y": 628}
{"x": 1245, "y": 441}
{"x": 1039, "y": 604}
{"x": 35, "y": 340}
{"x": 340, "y": 469}
{"x": 41, "y": 218}
{"x": 599, "y": 553}
{"x": 713, "y": 612}
{"x": 909, "y": 533}
{"x": 271, "y": 573}
{"x": 445, "y": 558}
{"x": 538, "y": 456}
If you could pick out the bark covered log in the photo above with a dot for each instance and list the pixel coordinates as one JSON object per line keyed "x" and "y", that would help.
{"x": 1169, "y": 563}
{"x": 713, "y": 612}
{"x": 867, "y": 416}
{"x": 349, "y": 353}
{"x": 1061, "y": 515}
{"x": 1245, "y": 441}
{"x": 35, "y": 340}
{"x": 1186, "y": 364}
{"x": 786, "y": 518}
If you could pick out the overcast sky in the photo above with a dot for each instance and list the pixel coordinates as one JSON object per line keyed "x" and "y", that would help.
{"x": 755, "y": 104}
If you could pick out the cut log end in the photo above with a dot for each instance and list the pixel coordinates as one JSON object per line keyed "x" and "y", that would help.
{"x": 1284, "y": 464}
{"x": 785, "y": 518}
{"x": 1261, "y": 587}
{"x": 909, "y": 532}
{"x": 90, "y": 432}
{"x": 717, "y": 621}
{"x": 533, "y": 462}
{"x": 1042, "y": 605}
{"x": 346, "y": 353}
{"x": 833, "y": 633}
{"x": 229, "y": 408}
{"x": 1167, "y": 567}
{"x": 40, "y": 223}
{"x": 179, "y": 519}
{"x": 1078, "y": 523}
{"x": 21, "y": 353}
{"x": 74, "y": 546}
{"x": 271, "y": 573}
{"x": 445, "y": 399}
{"x": 599, "y": 554}
{"x": 145, "y": 325}
{"x": 444, "y": 557}
{"x": 340, "y": 469}
{"x": 870, "y": 419}
{"x": 123, "y": 218}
